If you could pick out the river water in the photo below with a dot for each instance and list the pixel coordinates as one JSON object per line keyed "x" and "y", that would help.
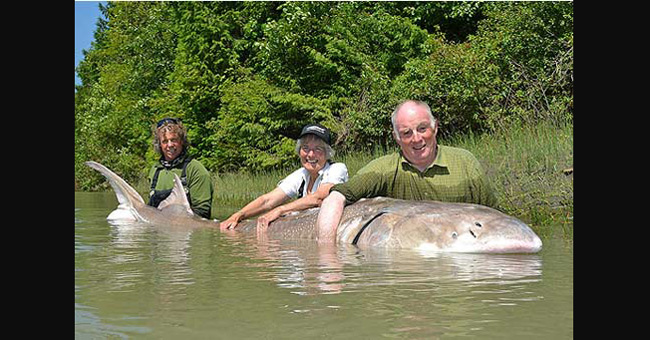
{"x": 146, "y": 283}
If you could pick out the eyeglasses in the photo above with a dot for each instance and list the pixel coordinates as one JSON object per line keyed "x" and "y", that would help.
{"x": 317, "y": 149}
{"x": 167, "y": 120}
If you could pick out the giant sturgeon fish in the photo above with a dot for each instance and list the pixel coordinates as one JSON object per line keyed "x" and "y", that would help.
{"x": 376, "y": 222}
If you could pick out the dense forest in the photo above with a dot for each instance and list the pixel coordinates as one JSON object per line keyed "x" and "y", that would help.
{"x": 244, "y": 77}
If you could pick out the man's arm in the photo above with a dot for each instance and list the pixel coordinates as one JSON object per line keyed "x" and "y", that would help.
{"x": 329, "y": 217}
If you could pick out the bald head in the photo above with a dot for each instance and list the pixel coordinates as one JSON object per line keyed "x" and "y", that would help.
{"x": 410, "y": 105}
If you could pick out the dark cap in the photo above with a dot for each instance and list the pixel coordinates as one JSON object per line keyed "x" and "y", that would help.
{"x": 318, "y": 130}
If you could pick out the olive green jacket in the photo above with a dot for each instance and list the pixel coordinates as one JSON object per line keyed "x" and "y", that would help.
{"x": 199, "y": 184}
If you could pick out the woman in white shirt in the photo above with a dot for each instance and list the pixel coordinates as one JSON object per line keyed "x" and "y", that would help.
{"x": 309, "y": 184}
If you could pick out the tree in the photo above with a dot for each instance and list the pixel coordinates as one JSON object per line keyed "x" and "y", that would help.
{"x": 246, "y": 76}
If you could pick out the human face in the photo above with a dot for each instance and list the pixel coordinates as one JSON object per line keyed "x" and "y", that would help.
{"x": 170, "y": 145}
{"x": 312, "y": 155}
{"x": 417, "y": 138}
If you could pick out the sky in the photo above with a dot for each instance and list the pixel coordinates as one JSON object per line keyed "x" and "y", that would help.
{"x": 86, "y": 14}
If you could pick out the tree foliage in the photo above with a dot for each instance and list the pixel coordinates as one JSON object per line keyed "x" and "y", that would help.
{"x": 246, "y": 76}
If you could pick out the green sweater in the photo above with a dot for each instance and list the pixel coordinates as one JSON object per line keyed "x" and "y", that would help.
{"x": 455, "y": 176}
{"x": 199, "y": 184}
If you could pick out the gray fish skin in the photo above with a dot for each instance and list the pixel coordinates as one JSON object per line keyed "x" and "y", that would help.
{"x": 173, "y": 212}
{"x": 377, "y": 222}
{"x": 424, "y": 225}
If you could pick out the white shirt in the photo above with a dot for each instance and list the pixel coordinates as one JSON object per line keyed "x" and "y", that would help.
{"x": 331, "y": 173}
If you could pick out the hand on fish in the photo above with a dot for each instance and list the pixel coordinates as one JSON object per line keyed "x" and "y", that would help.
{"x": 264, "y": 220}
{"x": 229, "y": 224}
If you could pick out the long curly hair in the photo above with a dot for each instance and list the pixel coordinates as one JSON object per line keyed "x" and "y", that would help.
{"x": 169, "y": 125}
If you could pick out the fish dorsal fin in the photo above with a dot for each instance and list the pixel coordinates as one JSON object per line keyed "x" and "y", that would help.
{"x": 177, "y": 197}
{"x": 126, "y": 195}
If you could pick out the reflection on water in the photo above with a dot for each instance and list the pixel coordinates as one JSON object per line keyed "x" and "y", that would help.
{"x": 306, "y": 268}
{"x": 146, "y": 281}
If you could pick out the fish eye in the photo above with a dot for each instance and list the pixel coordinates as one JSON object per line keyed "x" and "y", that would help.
{"x": 454, "y": 234}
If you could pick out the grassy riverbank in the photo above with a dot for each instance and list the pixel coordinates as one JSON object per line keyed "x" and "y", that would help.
{"x": 531, "y": 170}
{"x": 525, "y": 165}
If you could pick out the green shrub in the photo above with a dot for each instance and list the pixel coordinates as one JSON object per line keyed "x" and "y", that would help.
{"x": 246, "y": 76}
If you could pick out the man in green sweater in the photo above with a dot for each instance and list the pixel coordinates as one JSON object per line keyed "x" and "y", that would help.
{"x": 170, "y": 141}
{"x": 422, "y": 170}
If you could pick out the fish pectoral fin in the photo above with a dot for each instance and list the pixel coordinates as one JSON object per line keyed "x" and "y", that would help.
{"x": 177, "y": 197}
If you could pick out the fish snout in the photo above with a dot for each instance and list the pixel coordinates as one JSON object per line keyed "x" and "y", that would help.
{"x": 508, "y": 235}
{"x": 467, "y": 231}
{"x": 476, "y": 229}
{"x": 493, "y": 236}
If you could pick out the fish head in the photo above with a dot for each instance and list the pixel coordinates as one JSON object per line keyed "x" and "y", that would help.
{"x": 499, "y": 234}
{"x": 472, "y": 229}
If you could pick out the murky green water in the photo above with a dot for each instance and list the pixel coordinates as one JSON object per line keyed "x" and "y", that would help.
{"x": 143, "y": 282}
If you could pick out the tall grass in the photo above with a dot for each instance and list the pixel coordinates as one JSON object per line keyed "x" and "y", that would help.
{"x": 526, "y": 166}
{"x": 235, "y": 190}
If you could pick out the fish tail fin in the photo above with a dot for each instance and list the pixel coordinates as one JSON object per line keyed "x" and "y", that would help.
{"x": 126, "y": 195}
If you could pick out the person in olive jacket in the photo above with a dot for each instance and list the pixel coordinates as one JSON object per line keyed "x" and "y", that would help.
{"x": 170, "y": 141}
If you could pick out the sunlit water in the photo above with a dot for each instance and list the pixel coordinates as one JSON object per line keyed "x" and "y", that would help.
{"x": 138, "y": 281}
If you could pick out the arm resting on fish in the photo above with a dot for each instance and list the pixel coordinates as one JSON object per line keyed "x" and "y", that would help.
{"x": 311, "y": 200}
{"x": 259, "y": 205}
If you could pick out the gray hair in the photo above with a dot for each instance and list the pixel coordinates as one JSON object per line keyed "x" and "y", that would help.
{"x": 393, "y": 117}
{"x": 329, "y": 152}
